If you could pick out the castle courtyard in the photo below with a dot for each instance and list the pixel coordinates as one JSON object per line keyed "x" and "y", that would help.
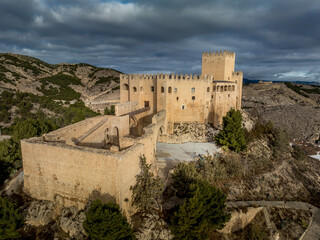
{"x": 184, "y": 151}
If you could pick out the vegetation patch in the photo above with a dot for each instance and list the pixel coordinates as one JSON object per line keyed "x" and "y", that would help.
{"x": 105, "y": 221}
{"x": 232, "y": 133}
{"x": 65, "y": 92}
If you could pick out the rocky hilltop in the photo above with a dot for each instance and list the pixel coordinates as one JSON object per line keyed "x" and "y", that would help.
{"x": 292, "y": 107}
{"x": 61, "y": 81}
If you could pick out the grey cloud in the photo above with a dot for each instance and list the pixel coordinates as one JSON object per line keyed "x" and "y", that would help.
{"x": 270, "y": 38}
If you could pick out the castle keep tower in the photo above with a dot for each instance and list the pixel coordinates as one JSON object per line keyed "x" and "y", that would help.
{"x": 219, "y": 64}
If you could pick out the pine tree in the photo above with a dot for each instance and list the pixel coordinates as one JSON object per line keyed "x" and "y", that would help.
{"x": 105, "y": 222}
{"x": 10, "y": 220}
{"x": 232, "y": 134}
{"x": 202, "y": 211}
{"x": 147, "y": 191}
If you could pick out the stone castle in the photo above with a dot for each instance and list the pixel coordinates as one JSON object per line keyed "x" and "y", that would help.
{"x": 101, "y": 154}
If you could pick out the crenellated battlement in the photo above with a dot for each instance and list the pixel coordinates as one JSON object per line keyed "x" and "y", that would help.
{"x": 217, "y": 53}
{"x": 165, "y": 77}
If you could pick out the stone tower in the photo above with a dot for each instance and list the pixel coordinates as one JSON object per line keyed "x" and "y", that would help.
{"x": 219, "y": 64}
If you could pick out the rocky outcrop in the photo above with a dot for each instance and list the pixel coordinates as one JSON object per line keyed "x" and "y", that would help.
{"x": 153, "y": 228}
{"x": 190, "y": 132}
{"x": 40, "y": 213}
{"x": 71, "y": 221}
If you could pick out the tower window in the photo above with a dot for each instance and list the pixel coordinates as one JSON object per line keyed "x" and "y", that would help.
{"x": 152, "y": 88}
{"x": 193, "y": 98}
{"x": 211, "y": 96}
{"x": 183, "y": 107}
{"x": 175, "y": 90}
{"x": 134, "y": 89}
{"x": 193, "y": 90}
{"x": 162, "y": 89}
{"x": 208, "y": 89}
{"x": 177, "y": 98}
{"x": 169, "y": 90}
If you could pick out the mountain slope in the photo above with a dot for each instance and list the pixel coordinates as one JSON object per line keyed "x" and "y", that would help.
{"x": 292, "y": 107}
{"x": 60, "y": 81}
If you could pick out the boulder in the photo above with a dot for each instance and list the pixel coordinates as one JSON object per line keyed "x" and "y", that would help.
{"x": 71, "y": 221}
{"x": 40, "y": 213}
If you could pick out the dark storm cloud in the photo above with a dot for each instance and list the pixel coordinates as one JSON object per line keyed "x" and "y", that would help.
{"x": 277, "y": 39}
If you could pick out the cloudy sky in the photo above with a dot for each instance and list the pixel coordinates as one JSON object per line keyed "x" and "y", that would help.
{"x": 273, "y": 39}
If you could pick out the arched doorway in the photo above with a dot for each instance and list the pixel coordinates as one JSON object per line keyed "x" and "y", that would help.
{"x": 114, "y": 137}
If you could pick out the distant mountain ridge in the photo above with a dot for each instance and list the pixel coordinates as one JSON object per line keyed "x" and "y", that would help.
{"x": 249, "y": 81}
{"x": 60, "y": 81}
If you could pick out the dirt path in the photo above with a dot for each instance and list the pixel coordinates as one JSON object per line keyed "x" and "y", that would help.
{"x": 313, "y": 230}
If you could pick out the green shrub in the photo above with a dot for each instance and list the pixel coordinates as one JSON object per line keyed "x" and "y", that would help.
{"x": 202, "y": 211}
{"x": 299, "y": 154}
{"x": 183, "y": 176}
{"x": 259, "y": 130}
{"x": 10, "y": 219}
{"x": 279, "y": 143}
{"x": 232, "y": 133}
{"x": 257, "y": 232}
{"x": 105, "y": 221}
{"x": 110, "y": 111}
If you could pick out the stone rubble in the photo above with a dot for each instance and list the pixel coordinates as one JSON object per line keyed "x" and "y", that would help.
{"x": 190, "y": 132}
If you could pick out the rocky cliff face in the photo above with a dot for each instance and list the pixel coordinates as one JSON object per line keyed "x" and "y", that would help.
{"x": 297, "y": 112}
{"x": 27, "y": 74}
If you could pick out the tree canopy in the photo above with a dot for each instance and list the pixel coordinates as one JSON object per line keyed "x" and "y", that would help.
{"x": 10, "y": 219}
{"x": 203, "y": 210}
{"x": 105, "y": 222}
{"x": 232, "y": 134}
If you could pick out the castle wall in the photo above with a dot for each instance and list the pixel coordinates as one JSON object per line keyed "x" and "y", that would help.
{"x": 74, "y": 173}
{"x": 224, "y": 98}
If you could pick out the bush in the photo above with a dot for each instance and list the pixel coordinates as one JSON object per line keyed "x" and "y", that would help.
{"x": 105, "y": 221}
{"x": 10, "y": 219}
{"x": 183, "y": 176}
{"x": 299, "y": 154}
{"x": 110, "y": 111}
{"x": 202, "y": 211}
{"x": 260, "y": 130}
{"x": 232, "y": 134}
{"x": 279, "y": 143}
{"x": 147, "y": 192}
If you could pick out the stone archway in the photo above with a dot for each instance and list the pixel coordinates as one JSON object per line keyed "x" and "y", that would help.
{"x": 114, "y": 136}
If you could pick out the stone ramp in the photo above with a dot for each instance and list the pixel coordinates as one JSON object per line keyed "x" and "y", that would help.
{"x": 90, "y": 131}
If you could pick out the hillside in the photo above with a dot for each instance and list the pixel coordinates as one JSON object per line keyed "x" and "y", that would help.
{"x": 60, "y": 81}
{"x": 292, "y": 107}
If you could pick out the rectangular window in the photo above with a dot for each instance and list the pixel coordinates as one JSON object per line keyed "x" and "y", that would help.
{"x": 193, "y": 98}
{"x": 146, "y": 103}
{"x": 175, "y": 90}
{"x": 177, "y": 98}
{"x": 193, "y": 90}
{"x": 152, "y": 88}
